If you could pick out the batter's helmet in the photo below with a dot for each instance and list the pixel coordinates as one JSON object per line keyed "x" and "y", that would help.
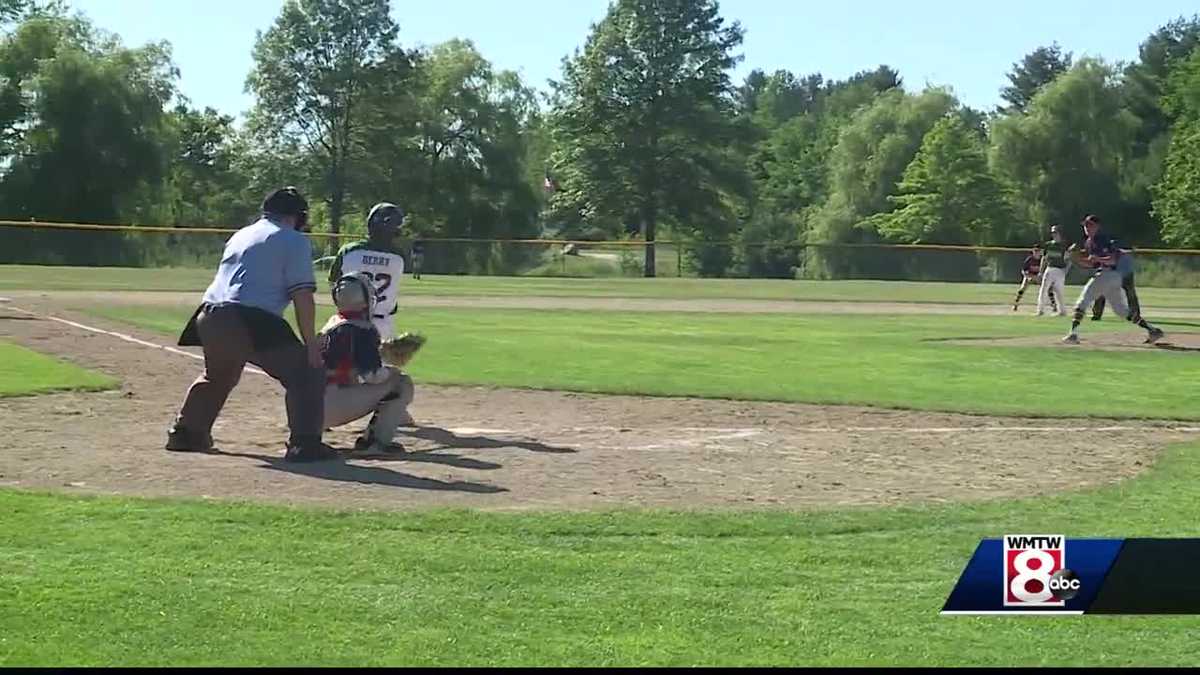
{"x": 385, "y": 219}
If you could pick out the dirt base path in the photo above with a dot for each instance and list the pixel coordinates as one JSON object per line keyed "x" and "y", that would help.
{"x": 515, "y": 449}
{"x": 704, "y": 305}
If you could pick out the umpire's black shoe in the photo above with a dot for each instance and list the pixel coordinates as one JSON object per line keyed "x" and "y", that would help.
{"x": 309, "y": 451}
{"x": 180, "y": 439}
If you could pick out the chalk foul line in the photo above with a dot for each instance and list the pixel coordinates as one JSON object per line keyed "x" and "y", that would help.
{"x": 124, "y": 337}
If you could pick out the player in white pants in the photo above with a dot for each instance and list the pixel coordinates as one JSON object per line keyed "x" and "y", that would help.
{"x": 1054, "y": 276}
{"x": 377, "y": 257}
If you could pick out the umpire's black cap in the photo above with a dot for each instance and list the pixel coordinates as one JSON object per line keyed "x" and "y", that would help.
{"x": 285, "y": 202}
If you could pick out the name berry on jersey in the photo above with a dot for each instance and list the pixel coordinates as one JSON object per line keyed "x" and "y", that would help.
{"x": 385, "y": 268}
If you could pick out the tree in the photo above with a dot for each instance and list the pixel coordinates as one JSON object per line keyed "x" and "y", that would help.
{"x": 641, "y": 119}
{"x": 316, "y": 74}
{"x": 1039, "y": 68}
{"x": 1181, "y": 99}
{"x": 747, "y": 94}
{"x": 947, "y": 195}
{"x": 203, "y": 181}
{"x": 1064, "y": 158}
{"x": 454, "y": 146}
{"x": 1177, "y": 196}
{"x": 873, "y": 150}
{"x": 85, "y": 121}
{"x": 82, "y": 134}
{"x": 784, "y": 96}
{"x": 1145, "y": 80}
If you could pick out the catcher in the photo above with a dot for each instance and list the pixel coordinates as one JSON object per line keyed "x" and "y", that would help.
{"x": 364, "y": 376}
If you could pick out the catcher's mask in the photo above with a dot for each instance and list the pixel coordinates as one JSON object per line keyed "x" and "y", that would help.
{"x": 353, "y": 293}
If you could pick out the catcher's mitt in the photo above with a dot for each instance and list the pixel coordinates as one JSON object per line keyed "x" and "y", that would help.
{"x": 399, "y": 350}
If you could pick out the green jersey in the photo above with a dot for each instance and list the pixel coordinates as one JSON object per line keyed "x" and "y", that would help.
{"x": 1055, "y": 254}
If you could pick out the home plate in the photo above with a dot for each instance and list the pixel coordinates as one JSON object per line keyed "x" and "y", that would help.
{"x": 469, "y": 431}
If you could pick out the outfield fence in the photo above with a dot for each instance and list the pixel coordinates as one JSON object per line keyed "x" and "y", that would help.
{"x": 93, "y": 245}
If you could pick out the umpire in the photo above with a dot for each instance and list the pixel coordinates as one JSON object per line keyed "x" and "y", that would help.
{"x": 265, "y": 266}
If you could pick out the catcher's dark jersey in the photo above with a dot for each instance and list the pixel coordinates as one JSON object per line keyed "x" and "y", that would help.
{"x": 1054, "y": 254}
{"x": 350, "y": 348}
{"x": 1031, "y": 265}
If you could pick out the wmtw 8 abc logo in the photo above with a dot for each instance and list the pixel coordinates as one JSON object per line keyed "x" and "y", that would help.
{"x": 1035, "y": 571}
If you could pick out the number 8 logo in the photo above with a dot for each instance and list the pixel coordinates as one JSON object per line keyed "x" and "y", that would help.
{"x": 1027, "y": 574}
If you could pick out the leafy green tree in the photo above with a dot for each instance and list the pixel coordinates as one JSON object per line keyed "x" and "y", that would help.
{"x": 746, "y": 96}
{"x": 1145, "y": 81}
{"x": 1177, "y": 196}
{"x": 1038, "y": 69}
{"x": 1063, "y": 159}
{"x": 873, "y": 150}
{"x": 82, "y": 133}
{"x": 317, "y": 71}
{"x": 85, "y": 121}
{"x": 947, "y": 194}
{"x": 204, "y": 183}
{"x": 1181, "y": 99}
{"x": 642, "y": 120}
{"x": 454, "y": 146}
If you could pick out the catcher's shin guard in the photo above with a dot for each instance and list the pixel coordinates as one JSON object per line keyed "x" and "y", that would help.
{"x": 392, "y": 410}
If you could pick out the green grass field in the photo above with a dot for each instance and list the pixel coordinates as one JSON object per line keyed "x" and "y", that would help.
{"x": 24, "y": 372}
{"x": 898, "y": 362}
{"x": 114, "y": 278}
{"x": 138, "y": 582}
{"x": 98, "y": 581}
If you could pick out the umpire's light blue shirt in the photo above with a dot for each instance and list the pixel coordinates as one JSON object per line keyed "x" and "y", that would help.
{"x": 263, "y": 265}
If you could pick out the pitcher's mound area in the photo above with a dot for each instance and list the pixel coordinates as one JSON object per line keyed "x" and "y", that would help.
{"x": 510, "y": 449}
{"x": 1122, "y": 341}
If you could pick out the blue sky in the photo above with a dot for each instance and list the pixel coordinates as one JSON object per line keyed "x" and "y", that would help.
{"x": 966, "y": 45}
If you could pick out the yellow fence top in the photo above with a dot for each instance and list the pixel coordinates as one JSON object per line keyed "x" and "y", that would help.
{"x": 138, "y": 229}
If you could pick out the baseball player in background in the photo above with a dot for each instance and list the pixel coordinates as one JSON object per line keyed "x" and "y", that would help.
{"x": 1054, "y": 274}
{"x": 1104, "y": 256}
{"x": 417, "y": 253}
{"x": 377, "y": 257}
{"x": 1029, "y": 272}
{"x": 358, "y": 383}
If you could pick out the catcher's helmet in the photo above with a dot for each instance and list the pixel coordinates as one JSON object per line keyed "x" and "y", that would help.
{"x": 385, "y": 219}
{"x": 354, "y": 292}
